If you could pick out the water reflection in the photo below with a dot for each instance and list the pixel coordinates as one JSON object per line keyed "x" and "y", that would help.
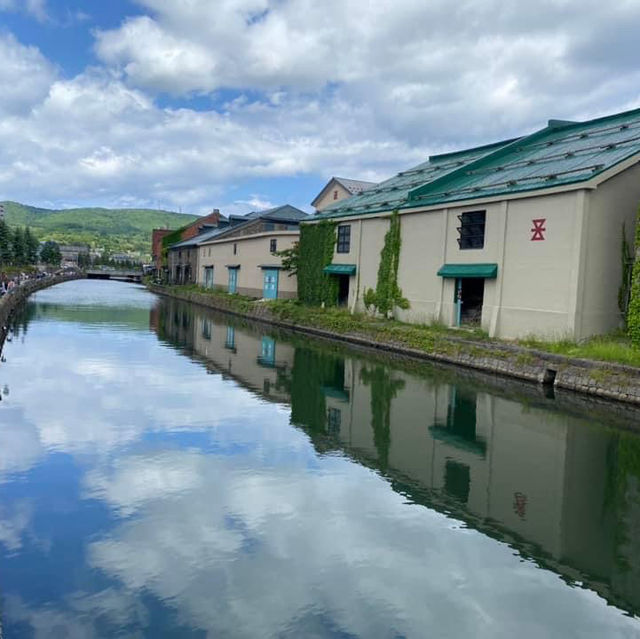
{"x": 149, "y": 493}
{"x": 561, "y": 488}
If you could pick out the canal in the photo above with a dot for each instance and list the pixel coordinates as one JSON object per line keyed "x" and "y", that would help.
{"x": 167, "y": 471}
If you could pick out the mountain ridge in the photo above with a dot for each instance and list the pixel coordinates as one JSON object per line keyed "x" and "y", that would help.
{"x": 117, "y": 230}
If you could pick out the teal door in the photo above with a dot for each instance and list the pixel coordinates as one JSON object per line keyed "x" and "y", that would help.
{"x": 233, "y": 280}
{"x": 208, "y": 276}
{"x": 270, "y": 284}
{"x": 268, "y": 352}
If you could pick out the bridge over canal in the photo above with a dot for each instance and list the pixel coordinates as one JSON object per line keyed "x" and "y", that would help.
{"x": 123, "y": 275}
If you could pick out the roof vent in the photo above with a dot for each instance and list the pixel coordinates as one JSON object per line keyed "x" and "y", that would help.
{"x": 571, "y": 154}
{"x": 624, "y": 127}
{"x": 499, "y": 168}
{"x": 476, "y": 189}
{"x": 597, "y": 167}
{"x": 531, "y": 162}
{"x": 512, "y": 183}
{"x": 610, "y": 146}
{"x": 551, "y": 177}
{"x": 550, "y": 143}
{"x": 584, "y": 135}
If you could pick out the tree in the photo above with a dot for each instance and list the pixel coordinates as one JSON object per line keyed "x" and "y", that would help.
{"x": 32, "y": 246}
{"x": 290, "y": 259}
{"x": 18, "y": 246}
{"x": 6, "y": 254}
{"x": 50, "y": 253}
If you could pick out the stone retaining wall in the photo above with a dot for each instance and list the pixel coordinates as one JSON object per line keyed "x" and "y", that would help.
{"x": 11, "y": 301}
{"x": 602, "y": 379}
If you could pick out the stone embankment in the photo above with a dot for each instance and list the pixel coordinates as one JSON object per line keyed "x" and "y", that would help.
{"x": 601, "y": 379}
{"x": 11, "y": 301}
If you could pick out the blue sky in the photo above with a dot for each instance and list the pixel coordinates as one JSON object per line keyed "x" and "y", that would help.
{"x": 244, "y": 104}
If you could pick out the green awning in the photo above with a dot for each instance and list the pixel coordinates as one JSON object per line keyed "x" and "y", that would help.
{"x": 489, "y": 271}
{"x": 336, "y": 393}
{"x": 340, "y": 269}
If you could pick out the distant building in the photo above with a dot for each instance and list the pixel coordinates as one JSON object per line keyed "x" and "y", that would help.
{"x": 70, "y": 252}
{"x": 244, "y": 257}
{"x": 241, "y": 256}
{"x": 337, "y": 189}
{"x": 1, "y": 211}
{"x": 122, "y": 258}
{"x": 210, "y": 221}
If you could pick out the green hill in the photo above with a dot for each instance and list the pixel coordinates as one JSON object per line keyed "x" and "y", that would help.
{"x": 117, "y": 230}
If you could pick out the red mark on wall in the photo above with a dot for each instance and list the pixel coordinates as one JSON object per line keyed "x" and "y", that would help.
{"x": 520, "y": 504}
{"x": 538, "y": 230}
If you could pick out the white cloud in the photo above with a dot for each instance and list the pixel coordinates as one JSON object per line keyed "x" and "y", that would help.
{"x": 25, "y": 76}
{"x": 35, "y": 8}
{"x": 263, "y": 552}
{"x": 335, "y": 88}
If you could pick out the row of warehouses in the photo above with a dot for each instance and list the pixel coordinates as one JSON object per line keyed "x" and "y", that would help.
{"x": 521, "y": 237}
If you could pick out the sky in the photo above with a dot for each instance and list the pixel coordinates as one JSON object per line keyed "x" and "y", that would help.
{"x": 247, "y": 104}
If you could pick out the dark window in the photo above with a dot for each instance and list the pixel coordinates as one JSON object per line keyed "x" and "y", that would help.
{"x": 179, "y": 254}
{"x": 334, "y": 419}
{"x": 471, "y": 230}
{"x": 457, "y": 480}
{"x": 235, "y": 249}
{"x": 273, "y": 244}
{"x": 335, "y": 195}
{"x": 206, "y": 328}
{"x": 344, "y": 238}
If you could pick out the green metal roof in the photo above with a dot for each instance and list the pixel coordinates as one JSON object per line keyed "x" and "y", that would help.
{"x": 340, "y": 269}
{"x": 393, "y": 193}
{"x": 489, "y": 271}
{"x": 562, "y": 153}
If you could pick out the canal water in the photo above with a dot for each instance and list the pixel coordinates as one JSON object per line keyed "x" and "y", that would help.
{"x": 166, "y": 471}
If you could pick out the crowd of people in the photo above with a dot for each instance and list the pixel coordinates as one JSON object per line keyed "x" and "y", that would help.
{"x": 9, "y": 284}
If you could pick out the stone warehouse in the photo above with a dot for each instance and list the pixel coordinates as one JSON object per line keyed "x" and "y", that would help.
{"x": 240, "y": 255}
{"x": 522, "y": 237}
{"x": 243, "y": 258}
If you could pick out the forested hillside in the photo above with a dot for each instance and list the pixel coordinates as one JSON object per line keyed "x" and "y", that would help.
{"x": 117, "y": 230}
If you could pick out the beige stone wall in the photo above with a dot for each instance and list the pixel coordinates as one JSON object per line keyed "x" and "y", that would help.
{"x": 614, "y": 203}
{"x": 535, "y": 292}
{"x": 367, "y": 240}
{"x": 251, "y": 252}
{"x": 239, "y": 358}
{"x": 526, "y": 479}
{"x": 328, "y": 198}
{"x": 564, "y": 286}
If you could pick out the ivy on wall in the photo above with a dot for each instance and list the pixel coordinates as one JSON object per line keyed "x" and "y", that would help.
{"x": 315, "y": 247}
{"x": 168, "y": 240}
{"x": 384, "y": 389}
{"x": 633, "y": 313}
{"x": 626, "y": 258}
{"x": 388, "y": 295}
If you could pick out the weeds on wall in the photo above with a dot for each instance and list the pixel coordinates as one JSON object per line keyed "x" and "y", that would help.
{"x": 388, "y": 295}
{"x": 633, "y": 313}
{"x": 626, "y": 257}
{"x": 316, "y": 245}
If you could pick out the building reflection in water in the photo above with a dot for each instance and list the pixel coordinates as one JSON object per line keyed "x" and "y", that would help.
{"x": 557, "y": 486}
